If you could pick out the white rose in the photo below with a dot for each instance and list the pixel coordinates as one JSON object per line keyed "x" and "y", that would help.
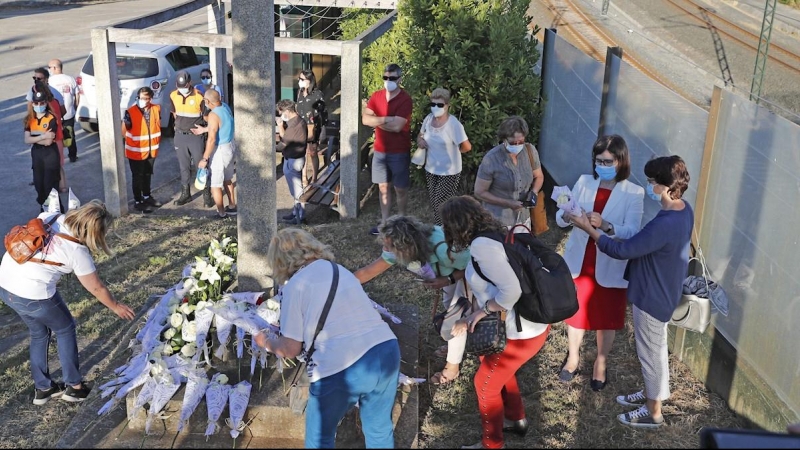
{"x": 167, "y": 350}
{"x": 189, "y": 350}
{"x": 189, "y": 331}
{"x": 273, "y": 305}
{"x": 169, "y": 334}
{"x": 176, "y": 319}
{"x": 201, "y": 305}
{"x": 186, "y": 308}
{"x": 222, "y": 378}
{"x": 414, "y": 265}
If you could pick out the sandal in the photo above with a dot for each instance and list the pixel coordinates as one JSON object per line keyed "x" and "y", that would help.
{"x": 444, "y": 377}
{"x": 441, "y": 352}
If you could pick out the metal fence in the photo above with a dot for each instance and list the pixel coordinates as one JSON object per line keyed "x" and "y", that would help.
{"x": 745, "y": 197}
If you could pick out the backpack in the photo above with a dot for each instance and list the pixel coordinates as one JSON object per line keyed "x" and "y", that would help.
{"x": 24, "y": 241}
{"x": 548, "y": 291}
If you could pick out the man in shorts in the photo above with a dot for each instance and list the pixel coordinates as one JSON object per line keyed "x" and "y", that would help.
{"x": 388, "y": 111}
{"x": 218, "y": 155}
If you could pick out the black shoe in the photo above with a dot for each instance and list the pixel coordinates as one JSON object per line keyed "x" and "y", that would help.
{"x": 294, "y": 221}
{"x": 186, "y": 196}
{"x": 43, "y": 396}
{"x": 231, "y": 211}
{"x": 73, "y": 158}
{"x": 143, "y": 207}
{"x": 288, "y": 217}
{"x": 374, "y": 231}
{"x": 31, "y": 183}
{"x": 518, "y": 427}
{"x": 598, "y": 385}
{"x": 564, "y": 374}
{"x": 151, "y": 201}
{"x": 73, "y": 395}
{"x": 218, "y": 217}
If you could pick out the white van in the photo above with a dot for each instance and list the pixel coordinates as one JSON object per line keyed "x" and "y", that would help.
{"x": 140, "y": 65}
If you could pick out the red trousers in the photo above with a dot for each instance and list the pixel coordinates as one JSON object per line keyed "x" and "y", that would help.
{"x": 497, "y": 389}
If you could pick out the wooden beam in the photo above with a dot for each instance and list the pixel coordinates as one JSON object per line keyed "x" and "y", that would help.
{"x": 712, "y": 131}
{"x": 164, "y": 15}
{"x": 304, "y": 45}
{"x": 372, "y": 33}
{"x": 369, "y": 4}
{"x": 170, "y": 38}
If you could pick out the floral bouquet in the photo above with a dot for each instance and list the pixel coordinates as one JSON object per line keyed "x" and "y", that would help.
{"x": 565, "y": 201}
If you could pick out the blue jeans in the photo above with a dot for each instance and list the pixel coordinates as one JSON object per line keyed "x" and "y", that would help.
{"x": 292, "y": 171}
{"x": 43, "y": 318}
{"x": 372, "y": 383}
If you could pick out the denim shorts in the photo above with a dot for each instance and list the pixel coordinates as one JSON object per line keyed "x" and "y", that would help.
{"x": 391, "y": 168}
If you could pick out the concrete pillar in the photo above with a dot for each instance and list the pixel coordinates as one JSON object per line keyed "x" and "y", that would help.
{"x": 112, "y": 151}
{"x": 350, "y": 125}
{"x": 253, "y": 69}
{"x": 217, "y": 56}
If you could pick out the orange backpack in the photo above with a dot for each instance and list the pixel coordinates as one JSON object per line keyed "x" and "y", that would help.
{"x": 24, "y": 241}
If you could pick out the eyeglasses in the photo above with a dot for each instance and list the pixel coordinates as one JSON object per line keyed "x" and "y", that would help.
{"x": 38, "y": 79}
{"x": 515, "y": 143}
{"x": 206, "y": 77}
{"x": 440, "y": 105}
{"x": 390, "y": 78}
{"x": 605, "y": 162}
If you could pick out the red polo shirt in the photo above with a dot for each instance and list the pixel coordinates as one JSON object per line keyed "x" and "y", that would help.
{"x": 400, "y": 105}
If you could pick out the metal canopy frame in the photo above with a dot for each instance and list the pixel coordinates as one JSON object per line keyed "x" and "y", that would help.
{"x": 351, "y": 137}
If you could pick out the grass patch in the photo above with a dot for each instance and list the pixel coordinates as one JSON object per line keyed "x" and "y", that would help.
{"x": 151, "y": 252}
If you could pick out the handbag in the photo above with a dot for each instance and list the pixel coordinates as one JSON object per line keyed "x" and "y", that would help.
{"x": 538, "y": 212}
{"x": 489, "y": 335}
{"x": 693, "y": 313}
{"x": 301, "y": 380}
{"x": 700, "y": 297}
{"x": 420, "y": 156}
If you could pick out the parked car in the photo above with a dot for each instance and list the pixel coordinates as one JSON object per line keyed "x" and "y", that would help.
{"x": 140, "y": 65}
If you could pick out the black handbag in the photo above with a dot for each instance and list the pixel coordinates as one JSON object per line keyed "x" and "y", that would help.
{"x": 301, "y": 381}
{"x": 489, "y": 336}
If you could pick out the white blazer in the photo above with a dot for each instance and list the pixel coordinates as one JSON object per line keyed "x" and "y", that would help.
{"x": 623, "y": 210}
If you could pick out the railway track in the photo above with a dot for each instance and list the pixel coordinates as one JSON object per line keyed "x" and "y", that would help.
{"x": 745, "y": 37}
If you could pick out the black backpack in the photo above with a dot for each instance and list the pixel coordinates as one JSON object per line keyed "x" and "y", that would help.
{"x": 548, "y": 291}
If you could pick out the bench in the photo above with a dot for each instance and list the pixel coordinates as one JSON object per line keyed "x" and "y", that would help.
{"x": 326, "y": 190}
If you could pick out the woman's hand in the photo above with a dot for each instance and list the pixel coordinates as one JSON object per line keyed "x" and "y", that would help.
{"x": 595, "y": 219}
{"x": 467, "y": 323}
{"x": 422, "y": 143}
{"x": 515, "y": 205}
{"x": 123, "y": 311}
{"x": 437, "y": 283}
{"x": 261, "y": 340}
{"x": 582, "y": 222}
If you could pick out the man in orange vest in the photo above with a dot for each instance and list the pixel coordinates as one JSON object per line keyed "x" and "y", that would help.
{"x": 142, "y": 129}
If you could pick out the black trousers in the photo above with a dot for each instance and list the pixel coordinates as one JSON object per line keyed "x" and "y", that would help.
{"x": 46, "y": 170}
{"x": 141, "y": 174}
{"x": 189, "y": 149}
{"x": 69, "y": 127}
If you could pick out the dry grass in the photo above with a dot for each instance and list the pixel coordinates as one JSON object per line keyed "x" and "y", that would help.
{"x": 151, "y": 252}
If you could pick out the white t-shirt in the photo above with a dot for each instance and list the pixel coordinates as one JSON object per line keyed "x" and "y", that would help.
{"x": 54, "y": 91}
{"x": 444, "y": 157}
{"x": 37, "y": 281}
{"x": 492, "y": 259}
{"x": 352, "y": 328}
{"x": 67, "y": 86}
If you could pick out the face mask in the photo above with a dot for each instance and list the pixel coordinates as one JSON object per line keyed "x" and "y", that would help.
{"x": 437, "y": 112}
{"x": 143, "y": 103}
{"x": 206, "y": 81}
{"x": 389, "y": 257}
{"x": 183, "y": 91}
{"x": 514, "y": 149}
{"x": 651, "y": 193}
{"x": 390, "y": 85}
{"x": 40, "y": 108}
{"x": 605, "y": 173}
{"x": 303, "y": 84}
{"x": 285, "y": 117}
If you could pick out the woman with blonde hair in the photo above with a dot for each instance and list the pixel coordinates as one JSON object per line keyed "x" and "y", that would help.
{"x": 444, "y": 137}
{"x": 30, "y": 289}
{"x": 355, "y": 359}
{"x": 422, "y": 250}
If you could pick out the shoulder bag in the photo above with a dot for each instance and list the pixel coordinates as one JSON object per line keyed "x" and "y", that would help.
{"x": 538, "y": 212}
{"x": 298, "y": 390}
{"x": 489, "y": 336}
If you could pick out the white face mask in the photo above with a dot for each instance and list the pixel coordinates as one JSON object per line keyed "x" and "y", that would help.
{"x": 183, "y": 91}
{"x": 285, "y": 117}
{"x": 436, "y": 111}
{"x": 514, "y": 149}
{"x": 143, "y": 103}
{"x": 303, "y": 84}
{"x": 390, "y": 86}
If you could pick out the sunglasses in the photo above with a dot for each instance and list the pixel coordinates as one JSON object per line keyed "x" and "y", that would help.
{"x": 38, "y": 79}
{"x": 392, "y": 78}
{"x": 440, "y": 105}
{"x": 604, "y": 162}
{"x": 302, "y": 79}
{"x": 205, "y": 78}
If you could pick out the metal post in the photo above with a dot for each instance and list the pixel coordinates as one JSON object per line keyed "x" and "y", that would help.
{"x": 253, "y": 64}
{"x": 109, "y": 120}
{"x": 609, "y": 88}
{"x": 763, "y": 48}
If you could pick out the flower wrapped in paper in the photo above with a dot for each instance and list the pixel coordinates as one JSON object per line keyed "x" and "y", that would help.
{"x": 565, "y": 201}
{"x": 238, "y": 398}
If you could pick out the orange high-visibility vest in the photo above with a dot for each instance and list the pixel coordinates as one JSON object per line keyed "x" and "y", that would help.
{"x": 38, "y": 127}
{"x": 142, "y": 139}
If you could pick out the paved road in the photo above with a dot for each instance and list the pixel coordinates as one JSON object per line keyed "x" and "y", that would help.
{"x": 29, "y": 38}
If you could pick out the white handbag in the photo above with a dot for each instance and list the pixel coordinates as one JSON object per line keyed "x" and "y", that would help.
{"x": 693, "y": 313}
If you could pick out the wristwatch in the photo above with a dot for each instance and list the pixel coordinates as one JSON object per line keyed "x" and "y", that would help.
{"x": 451, "y": 278}
{"x": 610, "y": 228}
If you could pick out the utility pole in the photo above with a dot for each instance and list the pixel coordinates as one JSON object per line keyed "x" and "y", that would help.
{"x": 605, "y": 7}
{"x": 763, "y": 48}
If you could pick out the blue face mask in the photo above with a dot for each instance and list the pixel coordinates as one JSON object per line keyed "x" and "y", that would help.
{"x": 605, "y": 173}
{"x": 389, "y": 257}
{"x": 206, "y": 81}
{"x": 40, "y": 108}
{"x": 652, "y": 194}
